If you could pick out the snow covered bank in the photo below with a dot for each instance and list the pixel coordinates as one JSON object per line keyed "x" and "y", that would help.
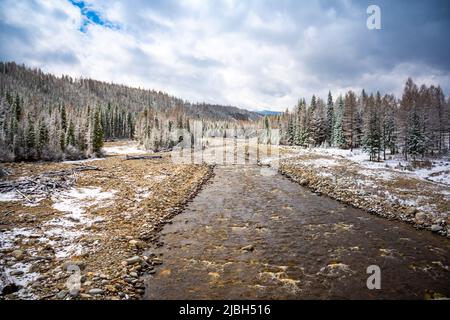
{"x": 438, "y": 172}
{"x": 392, "y": 188}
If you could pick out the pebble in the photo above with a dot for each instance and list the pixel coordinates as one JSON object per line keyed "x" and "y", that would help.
{"x": 95, "y": 291}
{"x": 134, "y": 274}
{"x": 62, "y": 294}
{"x": 133, "y": 260}
{"x": 17, "y": 254}
{"x": 16, "y": 273}
{"x": 74, "y": 293}
{"x": 420, "y": 216}
{"x": 79, "y": 264}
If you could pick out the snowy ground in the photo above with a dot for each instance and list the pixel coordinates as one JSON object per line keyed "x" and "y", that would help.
{"x": 439, "y": 172}
{"x": 124, "y": 149}
{"x": 98, "y": 224}
{"x": 62, "y": 234}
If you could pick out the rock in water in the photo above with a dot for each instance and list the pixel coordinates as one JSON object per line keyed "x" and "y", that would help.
{"x": 248, "y": 248}
{"x": 436, "y": 228}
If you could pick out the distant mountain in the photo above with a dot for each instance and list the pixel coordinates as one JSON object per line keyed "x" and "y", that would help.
{"x": 269, "y": 113}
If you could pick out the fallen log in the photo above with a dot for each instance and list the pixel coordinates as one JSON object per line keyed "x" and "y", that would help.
{"x": 44, "y": 184}
{"x": 71, "y": 171}
{"x": 141, "y": 157}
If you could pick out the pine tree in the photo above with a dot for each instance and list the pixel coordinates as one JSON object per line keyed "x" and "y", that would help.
{"x": 338, "y": 130}
{"x": 330, "y": 120}
{"x": 290, "y": 131}
{"x": 70, "y": 139}
{"x": 43, "y": 138}
{"x": 349, "y": 120}
{"x": 97, "y": 142}
{"x": 317, "y": 124}
{"x": 63, "y": 118}
{"x": 18, "y": 108}
{"x": 372, "y": 137}
{"x": 415, "y": 139}
{"x": 62, "y": 140}
{"x": 30, "y": 140}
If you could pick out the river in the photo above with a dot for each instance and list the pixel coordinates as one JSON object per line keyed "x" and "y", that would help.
{"x": 248, "y": 235}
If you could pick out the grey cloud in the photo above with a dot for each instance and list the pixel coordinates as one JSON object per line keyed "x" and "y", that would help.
{"x": 328, "y": 40}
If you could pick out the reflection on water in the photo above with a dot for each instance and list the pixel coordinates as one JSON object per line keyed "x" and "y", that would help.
{"x": 253, "y": 236}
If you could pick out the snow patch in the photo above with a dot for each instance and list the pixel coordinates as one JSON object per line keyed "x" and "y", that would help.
{"x": 10, "y": 196}
{"x": 122, "y": 150}
{"x": 68, "y": 227}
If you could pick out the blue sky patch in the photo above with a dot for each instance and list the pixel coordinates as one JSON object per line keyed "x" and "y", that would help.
{"x": 90, "y": 16}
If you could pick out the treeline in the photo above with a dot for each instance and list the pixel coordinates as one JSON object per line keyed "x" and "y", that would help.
{"x": 416, "y": 125}
{"x": 54, "y": 132}
{"x": 52, "y": 118}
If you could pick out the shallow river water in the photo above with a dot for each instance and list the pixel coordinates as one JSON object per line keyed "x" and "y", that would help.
{"x": 299, "y": 246}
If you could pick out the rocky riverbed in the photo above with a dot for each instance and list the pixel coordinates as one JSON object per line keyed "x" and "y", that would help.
{"x": 91, "y": 241}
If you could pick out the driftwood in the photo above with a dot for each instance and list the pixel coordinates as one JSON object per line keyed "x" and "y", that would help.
{"x": 70, "y": 171}
{"x": 44, "y": 184}
{"x": 141, "y": 157}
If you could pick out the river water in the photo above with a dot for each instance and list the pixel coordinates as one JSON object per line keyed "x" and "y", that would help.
{"x": 299, "y": 246}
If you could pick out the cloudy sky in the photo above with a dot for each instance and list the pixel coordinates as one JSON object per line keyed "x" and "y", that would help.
{"x": 253, "y": 54}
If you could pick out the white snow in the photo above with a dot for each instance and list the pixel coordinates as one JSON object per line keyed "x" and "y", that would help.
{"x": 74, "y": 203}
{"x": 82, "y": 161}
{"x": 142, "y": 193}
{"x": 10, "y": 196}
{"x": 122, "y": 150}
{"x": 439, "y": 172}
{"x": 7, "y": 241}
{"x": 24, "y": 280}
{"x": 320, "y": 162}
{"x": 75, "y": 200}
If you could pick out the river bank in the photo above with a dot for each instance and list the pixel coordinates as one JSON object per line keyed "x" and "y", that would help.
{"x": 389, "y": 189}
{"x": 100, "y": 226}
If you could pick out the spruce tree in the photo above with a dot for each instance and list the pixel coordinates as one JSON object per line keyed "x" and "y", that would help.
{"x": 338, "y": 131}
{"x": 70, "y": 139}
{"x": 97, "y": 142}
{"x": 63, "y": 118}
{"x": 43, "y": 138}
{"x": 330, "y": 120}
{"x": 415, "y": 139}
{"x": 30, "y": 140}
{"x": 17, "y": 108}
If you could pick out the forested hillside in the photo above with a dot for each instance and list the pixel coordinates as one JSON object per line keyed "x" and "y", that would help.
{"x": 416, "y": 125}
{"x": 47, "y": 117}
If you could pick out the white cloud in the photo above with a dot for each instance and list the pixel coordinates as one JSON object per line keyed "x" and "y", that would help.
{"x": 253, "y": 54}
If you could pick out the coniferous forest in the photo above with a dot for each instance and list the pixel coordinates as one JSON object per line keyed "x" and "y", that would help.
{"x": 416, "y": 125}
{"x": 52, "y": 118}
